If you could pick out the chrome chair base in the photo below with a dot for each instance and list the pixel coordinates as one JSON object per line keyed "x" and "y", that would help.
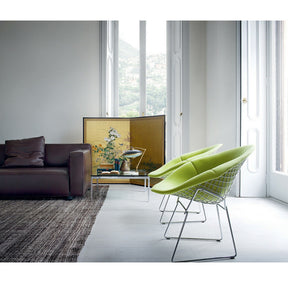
{"x": 215, "y": 239}
{"x": 164, "y": 210}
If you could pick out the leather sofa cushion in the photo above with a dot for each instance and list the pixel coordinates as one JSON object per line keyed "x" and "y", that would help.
{"x": 25, "y": 152}
{"x": 33, "y": 181}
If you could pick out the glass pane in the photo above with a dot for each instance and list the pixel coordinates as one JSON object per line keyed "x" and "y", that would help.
{"x": 129, "y": 69}
{"x": 282, "y": 98}
{"x": 156, "y": 67}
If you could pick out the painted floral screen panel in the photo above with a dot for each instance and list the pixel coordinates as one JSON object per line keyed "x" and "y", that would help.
{"x": 109, "y": 138}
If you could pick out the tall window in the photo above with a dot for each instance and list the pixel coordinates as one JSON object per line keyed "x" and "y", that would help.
{"x": 134, "y": 65}
{"x": 142, "y": 68}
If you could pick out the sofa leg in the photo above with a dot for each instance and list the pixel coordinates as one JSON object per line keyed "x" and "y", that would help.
{"x": 69, "y": 197}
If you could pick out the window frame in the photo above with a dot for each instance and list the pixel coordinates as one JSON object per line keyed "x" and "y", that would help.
{"x": 109, "y": 64}
{"x": 178, "y": 88}
{"x": 277, "y": 180}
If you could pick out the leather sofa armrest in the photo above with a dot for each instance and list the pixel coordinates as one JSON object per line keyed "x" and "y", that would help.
{"x": 79, "y": 171}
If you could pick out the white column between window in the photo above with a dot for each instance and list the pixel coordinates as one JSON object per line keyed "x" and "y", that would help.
{"x": 109, "y": 68}
{"x": 142, "y": 68}
{"x": 174, "y": 89}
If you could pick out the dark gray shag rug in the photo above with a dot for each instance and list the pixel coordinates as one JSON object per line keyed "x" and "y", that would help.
{"x": 52, "y": 230}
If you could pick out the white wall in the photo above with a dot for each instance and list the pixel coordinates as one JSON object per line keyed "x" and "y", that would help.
{"x": 222, "y": 84}
{"x": 213, "y": 84}
{"x": 222, "y": 96}
{"x": 197, "y": 97}
{"x": 49, "y": 79}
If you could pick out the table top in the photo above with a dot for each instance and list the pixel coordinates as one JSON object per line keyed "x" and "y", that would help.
{"x": 128, "y": 174}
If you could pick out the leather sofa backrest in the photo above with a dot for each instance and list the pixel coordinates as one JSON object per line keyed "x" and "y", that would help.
{"x": 57, "y": 155}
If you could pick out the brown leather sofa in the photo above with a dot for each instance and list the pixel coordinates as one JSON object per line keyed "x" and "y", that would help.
{"x": 60, "y": 170}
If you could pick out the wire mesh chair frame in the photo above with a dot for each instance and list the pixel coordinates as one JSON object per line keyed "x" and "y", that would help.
{"x": 185, "y": 159}
{"x": 202, "y": 193}
{"x": 163, "y": 210}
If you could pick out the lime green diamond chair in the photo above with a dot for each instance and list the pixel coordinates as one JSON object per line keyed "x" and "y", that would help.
{"x": 169, "y": 167}
{"x": 206, "y": 180}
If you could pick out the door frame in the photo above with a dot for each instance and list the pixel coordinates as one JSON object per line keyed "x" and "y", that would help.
{"x": 253, "y": 128}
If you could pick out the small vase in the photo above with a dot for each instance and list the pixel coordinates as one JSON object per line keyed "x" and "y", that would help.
{"x": 125, "y": 166}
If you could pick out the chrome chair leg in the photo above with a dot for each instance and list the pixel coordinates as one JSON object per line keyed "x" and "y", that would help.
{"x": 171, "y": 219}
{"x": 189, "y": 221}
{"x": 180, "y": 211}
{"x": 167, "y": 200}
{"x": 186, "y": 212}
{"x": 217, "y": 239}
{"x": 181, "y": 231}
{"x": 219, "y": 223}
{"x": 232, "y": 236}
{"x": 160, "y": 206}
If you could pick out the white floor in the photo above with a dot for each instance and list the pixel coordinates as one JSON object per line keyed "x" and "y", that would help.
{"x": 127, "y": 229}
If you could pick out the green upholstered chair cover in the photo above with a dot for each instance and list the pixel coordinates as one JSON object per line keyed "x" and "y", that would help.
{"x": 169, "y": 167}
{"x": 210, "y": 176}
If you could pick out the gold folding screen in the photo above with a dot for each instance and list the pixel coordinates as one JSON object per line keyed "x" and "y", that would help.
{"x": 110, "y": 137}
